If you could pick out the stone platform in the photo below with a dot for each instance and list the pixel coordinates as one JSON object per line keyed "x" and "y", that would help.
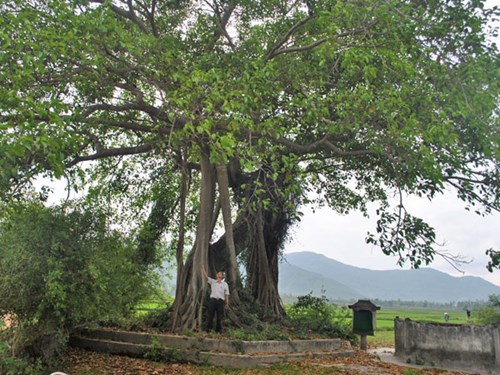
{"x": 203, "y": 350}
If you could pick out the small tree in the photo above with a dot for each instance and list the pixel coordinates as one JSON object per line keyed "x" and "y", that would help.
{"x": 494, "y": 300}
{"x": 315, "y": 314}
{"x": 491, "y": 313}
{"x": 61, "y": 267}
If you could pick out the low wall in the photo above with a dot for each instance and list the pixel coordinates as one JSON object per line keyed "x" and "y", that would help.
{"x": 208, "y": 344}
{"x": 204, "y": 350}
{"x": 472, "y": 347}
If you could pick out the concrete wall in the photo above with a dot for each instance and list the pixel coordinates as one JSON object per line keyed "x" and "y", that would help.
{"x": 472, "y": 347}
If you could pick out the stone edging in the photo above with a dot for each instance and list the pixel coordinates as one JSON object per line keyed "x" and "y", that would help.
{"x": 225, "y": 353}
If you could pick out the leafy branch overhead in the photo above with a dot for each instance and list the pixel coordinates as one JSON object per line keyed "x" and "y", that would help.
{"x": 349, "y": 101}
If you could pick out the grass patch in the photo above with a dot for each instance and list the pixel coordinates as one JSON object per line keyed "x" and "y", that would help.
{"x": 144, "y": 308}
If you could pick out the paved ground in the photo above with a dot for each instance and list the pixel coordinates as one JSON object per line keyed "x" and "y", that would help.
{"x": 387, "y": 355}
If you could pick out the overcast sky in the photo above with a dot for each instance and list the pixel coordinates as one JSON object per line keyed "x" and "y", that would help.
{"x": 343, "y": 237}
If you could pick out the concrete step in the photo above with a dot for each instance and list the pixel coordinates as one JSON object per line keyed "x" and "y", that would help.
{"x": 225, "y": 353}
{"x": 210, "y": 344}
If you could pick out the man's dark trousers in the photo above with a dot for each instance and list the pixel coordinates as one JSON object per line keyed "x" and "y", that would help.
{"x": 215, "y": 305}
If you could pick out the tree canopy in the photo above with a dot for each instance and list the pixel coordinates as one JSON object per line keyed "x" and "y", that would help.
{"x": 181, "y": 111}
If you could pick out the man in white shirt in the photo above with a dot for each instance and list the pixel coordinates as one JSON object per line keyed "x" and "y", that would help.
{"x": 219, "y": 298}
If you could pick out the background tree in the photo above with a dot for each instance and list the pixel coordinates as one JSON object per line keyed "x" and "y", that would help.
{"x": 148, "y": 105}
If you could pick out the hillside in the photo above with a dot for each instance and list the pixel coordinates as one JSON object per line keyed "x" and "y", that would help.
{"x": 305, "y": 272}
{"x": 297, "y": 281}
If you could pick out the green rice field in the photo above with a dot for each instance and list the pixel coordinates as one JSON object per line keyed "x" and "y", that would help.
{"x": 384, "y": 333}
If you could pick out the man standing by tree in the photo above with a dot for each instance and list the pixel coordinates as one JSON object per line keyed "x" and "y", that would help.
{"x": 219, "y": 298}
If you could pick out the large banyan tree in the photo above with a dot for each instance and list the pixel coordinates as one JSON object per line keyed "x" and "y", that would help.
{"x": 207, "y": 124}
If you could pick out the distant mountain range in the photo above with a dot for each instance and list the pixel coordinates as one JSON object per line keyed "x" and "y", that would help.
{"x": 307, "y": 272}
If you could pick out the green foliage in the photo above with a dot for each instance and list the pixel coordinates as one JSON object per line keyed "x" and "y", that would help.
{"x": 157, "y": 318}
{"x": 494, "y": 300}
{"x": 494, "y": 262}
{"x": 62, "y": 267}
{"x": 157, "y": 352}
{"x": 17, "y": 366}
{"x": 261, "y": 331}
{"x": 407, "y": 237}
{"x": 12, "y": 365}
{"x": 489, "y": 314}
{"x": 315, "y": 315}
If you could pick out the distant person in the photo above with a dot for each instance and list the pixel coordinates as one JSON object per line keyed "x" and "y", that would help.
{"x": 468, "y": 313}
{"x": 446, "y": 317}
{"x": 219, "y": 298}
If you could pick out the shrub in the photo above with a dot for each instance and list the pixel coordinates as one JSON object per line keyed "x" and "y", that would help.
{"x": 13, "y": 366}
{"x": 157, "y": 318}
{"x": 491, "y": 313}
{"x": 315, "y": 315}
{"x": 61, "y": 267}
{"x": 157, "y": 352}
{"x": 488, "y": 315}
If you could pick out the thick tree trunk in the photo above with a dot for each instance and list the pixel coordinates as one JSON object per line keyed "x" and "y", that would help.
{"x": 223, "y": 181}
{"x": 257, "y": 233}
{"x": 258, "y": 239}
{"x": 179, "y": 254}
{"x": 188, "y": 304}
{"x": 262, "y": 270}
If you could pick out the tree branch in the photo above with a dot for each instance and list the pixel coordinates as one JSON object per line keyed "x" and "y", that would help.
{"x": 130, "y": 14}
{"x": 276, "y": 51}
{"x": 287, "y": 36}
{"x": 121, "y": 151}
{"x": 473, "y": 181}
{"x": 123, "y": 125}
{"x": 150, "y": 110}
{"x": 471, "y": 195}
{"x": 323, "y": 143}
{"x": 223, "y": 21}
{"x": 149, "y": 14}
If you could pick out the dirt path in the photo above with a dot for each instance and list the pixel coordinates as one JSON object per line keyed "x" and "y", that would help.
{"x": 81, "y": 362}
